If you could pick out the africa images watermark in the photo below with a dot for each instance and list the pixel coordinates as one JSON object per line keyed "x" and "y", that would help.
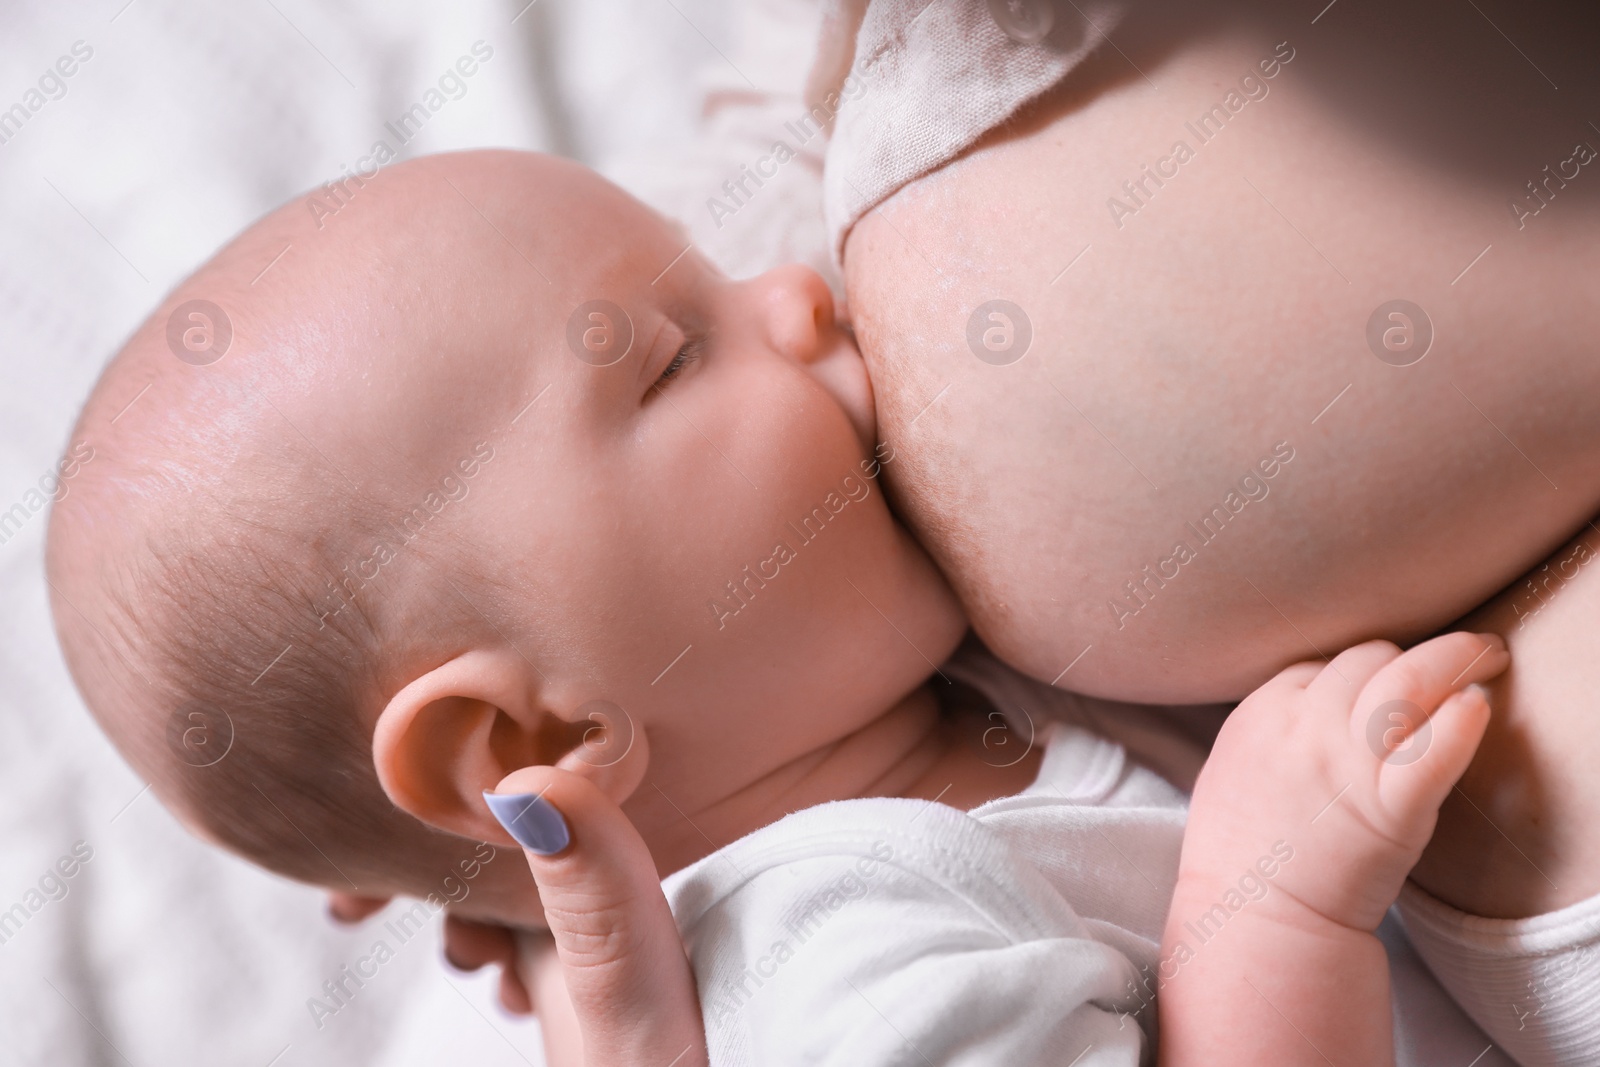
{"x": 52, "y": 485}
{"x": 50, "y": 87}
{"x": 340, "y": 990}
{"x": 1542, "y": 585}
{"x": 999, "y": 332}
{"x": 199, "y": 734}
{"x": 742, "y": 590}
{"x": 736, "y": 190}
{"x": 335, "y": 194}
{"x": 1542, "y": 190}
{"x": 732, "y": 994}
{"x": 356, "y": 576}
{"x": 1253, "y": 486}
{"x": 1399, "y": 333}
{"x": 1139, "y": 191}
{"x": 199, "y": 332}
{"x": 1252, "y": 887}
{"x": 1552, "y": 981}
{"x": 54, "y": 885}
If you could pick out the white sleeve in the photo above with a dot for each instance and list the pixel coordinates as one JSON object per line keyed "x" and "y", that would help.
{"x": 845, "y": 936}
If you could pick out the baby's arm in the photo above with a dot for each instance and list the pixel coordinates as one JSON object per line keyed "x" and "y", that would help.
{"x": 1319, "y": 796}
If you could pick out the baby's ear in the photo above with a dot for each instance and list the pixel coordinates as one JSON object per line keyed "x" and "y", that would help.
{"x": 457, "y": 730}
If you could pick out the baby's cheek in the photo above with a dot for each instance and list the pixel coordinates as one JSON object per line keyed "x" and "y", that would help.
{"x": 773, "y": 476}
{"x": 784, "y": 432}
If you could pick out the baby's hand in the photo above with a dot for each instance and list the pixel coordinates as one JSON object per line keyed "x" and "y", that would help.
{"x": 1342, "y": 767}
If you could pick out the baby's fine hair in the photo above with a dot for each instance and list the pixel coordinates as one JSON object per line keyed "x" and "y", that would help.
{"x": 269, "y": 680}
{"x": 200, "y": 566}
{"x": 234, "y": 669}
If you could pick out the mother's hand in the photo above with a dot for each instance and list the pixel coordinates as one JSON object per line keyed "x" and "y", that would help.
{"x": 468, "y": 945}
{"x": 613, "y": 987}
{"x": 628, "y": 983}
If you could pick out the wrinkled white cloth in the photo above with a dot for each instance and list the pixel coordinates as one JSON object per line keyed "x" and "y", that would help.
{"x": 924, "y": 81}
{"x": 1533, "y": 984}
{"x": 888, "y": 931}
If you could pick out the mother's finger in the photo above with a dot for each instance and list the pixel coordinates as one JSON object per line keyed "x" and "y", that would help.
{"x": 351, "y": 908}
{"x": 469, "y": 944}
{"x": 625, "y": 969}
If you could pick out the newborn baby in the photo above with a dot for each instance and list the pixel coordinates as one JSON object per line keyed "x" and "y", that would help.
{"x": 393, "y": 506}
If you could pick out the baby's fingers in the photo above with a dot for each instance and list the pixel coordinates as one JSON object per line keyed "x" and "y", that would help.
{"x": 1341, "y": 680}
{"x": 1411, "y": 686}
{"x": 1425, "y": 765}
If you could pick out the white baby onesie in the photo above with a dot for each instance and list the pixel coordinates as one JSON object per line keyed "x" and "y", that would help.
{"x": 889, "y": 931}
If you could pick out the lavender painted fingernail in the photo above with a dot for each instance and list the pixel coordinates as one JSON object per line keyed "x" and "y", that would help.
{"x": 531, "y": 819}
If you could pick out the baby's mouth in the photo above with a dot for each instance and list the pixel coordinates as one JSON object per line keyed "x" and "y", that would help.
{"x": 843, "y": 373}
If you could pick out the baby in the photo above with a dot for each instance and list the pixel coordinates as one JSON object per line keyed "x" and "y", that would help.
{"x": 363, "y": 499}
{"x": 371, "y": 534}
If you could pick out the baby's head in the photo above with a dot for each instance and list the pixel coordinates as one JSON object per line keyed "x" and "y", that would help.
{"x": 484, "y": 470}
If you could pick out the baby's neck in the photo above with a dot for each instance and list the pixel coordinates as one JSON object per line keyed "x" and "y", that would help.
{"x": 961, "y": 759}
{"x": 911, "y": 750}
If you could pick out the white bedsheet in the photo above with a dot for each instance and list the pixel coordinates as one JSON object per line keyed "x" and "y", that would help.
{"x": 188, "y": 121}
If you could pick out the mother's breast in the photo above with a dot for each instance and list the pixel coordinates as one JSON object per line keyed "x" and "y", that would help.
{"x": 1200, "y": 469}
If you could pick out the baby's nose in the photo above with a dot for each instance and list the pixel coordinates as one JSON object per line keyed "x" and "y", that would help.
{"x": 797, "y": 307}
